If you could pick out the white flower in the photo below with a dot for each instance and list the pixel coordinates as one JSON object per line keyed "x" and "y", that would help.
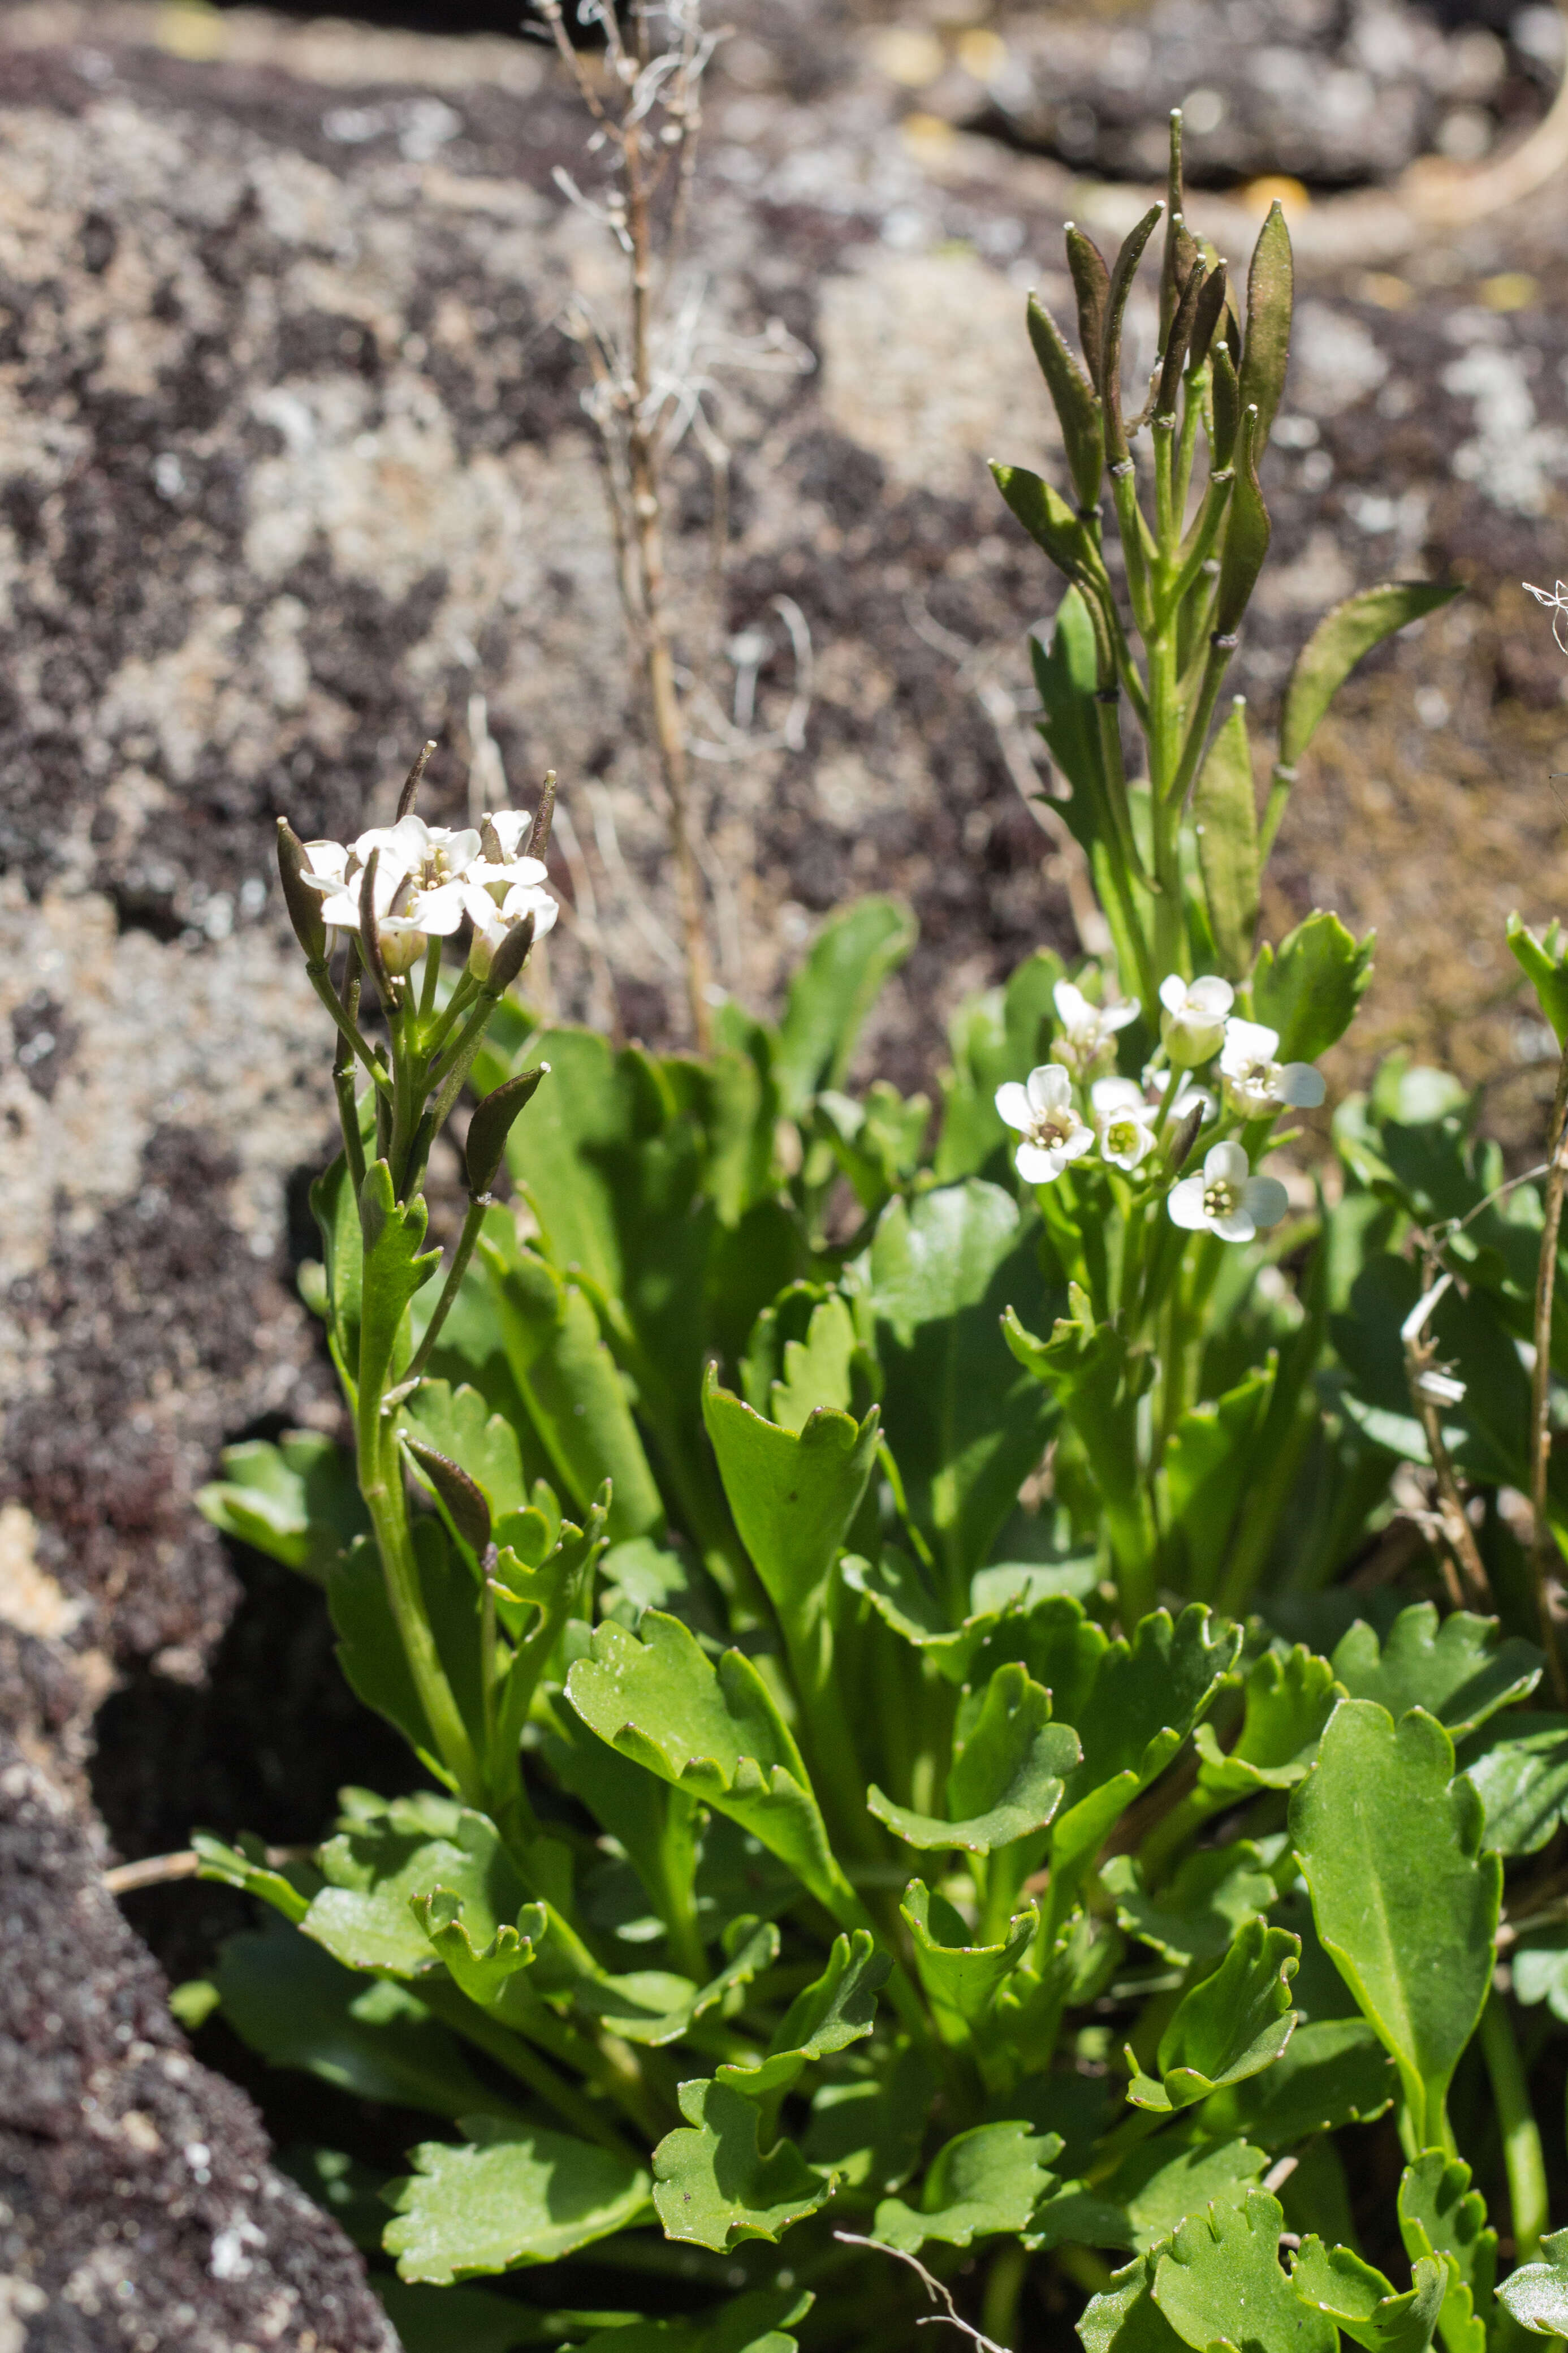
{"x": 1124, "y": 1122}
{"x": 1255, "y": 1083}
{"x": 427, "y": 879}
{"x": 491, "y": 928}
{"x": 1187, "y": 1093}
{"x": 1088, "y": 1030}
{"x": 1042, "y": 1111}
{"x": 1192, "y": 1022}
{"x": 1227, "y": 1199}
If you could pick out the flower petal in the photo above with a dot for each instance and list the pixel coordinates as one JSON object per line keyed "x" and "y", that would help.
{"x": 1211, "y": 996}
{"x": 1237, "y": 1228}
{"x": 1072, "y": 1005}
{"x": 1012, "y": 1105}
{"x": 1265, "y": 1199}
{"x": 1226, "y": 1164}
{"x": 1036, "y": 1166}
{"x": 1302, "y": 1085}
{"x": 1173, "y": 992}
{"x": 1117, "y": 1017}
{"x": 1246, "y": 1042}
{"x": 1186, "y": 1203}
{"x": 1116, "y": 1094}
{"x": 1074, "y": 1147}
{"x": 1050, "y": 1087}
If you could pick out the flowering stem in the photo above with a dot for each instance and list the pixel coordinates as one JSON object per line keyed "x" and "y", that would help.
{"x": 381, "y": 1484}
{"x": 1544, "y": 1552}
{"x": 347, "y": 1027}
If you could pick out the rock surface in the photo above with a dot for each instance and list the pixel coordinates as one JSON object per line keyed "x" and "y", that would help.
{"x": 293, "y": 470}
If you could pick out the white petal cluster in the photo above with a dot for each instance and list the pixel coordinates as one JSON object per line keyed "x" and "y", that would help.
{"x": 1043, "y": 1112}
{"x": 428, "y": 878}
{"x": 1226, "y": 1198}
{"x": 1087, "y": 1040}
{"x": 1256, "y": 1084}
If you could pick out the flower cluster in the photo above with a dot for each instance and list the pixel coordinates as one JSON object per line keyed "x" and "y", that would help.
{"x": 427, "y": 879}
{"x": 1062, "y": 1110}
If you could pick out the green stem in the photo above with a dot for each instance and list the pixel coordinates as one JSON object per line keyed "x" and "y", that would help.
{"x": 1217, "y": 663}
{"x": 348, "y": 1028}
{"x": 473, "y": 1219}
{"x": 381, "y": 1484}
{"x": 510, "y": 2052}
{"x": 1004, "y": 2288}
{"x": 1522, "y": 2158}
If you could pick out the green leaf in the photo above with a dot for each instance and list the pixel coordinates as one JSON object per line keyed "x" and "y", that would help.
{"x": 394, "y": 1269}
{"x": 816, "y": 1370}
{"x": 793, "y": 1494}
{"x": 988, "y": 2179}
{"x": 468, "y": 2320}
{"x": 962, "y": 1979}
{"x": 1124, "y": 2316}
{"x": 1230, "y": 2025}
{"x": 714, "y": 1732}
{"x": 1333, "y": 2072}
{"x": 843, "y": 975}
{"x": 1145, "y": 1697}
{"x": 296, "y": 2007}
{"x": 712, "y": 2186}
{"x": 296, "y": 1502}
{"x": 1536, "y": 2295}
{"x": 1179, "y": 2173}
{"x": 1522, "y": 1776}
{"x": 459, "y": 1423}
{"x": 1072, "y": 396}
{"x": 868, "y": 2131}
{"x": 1221, "y": 2282}
{"x": 1540, "y": 1970}
{"x": 1211, "y": 1459}
{"x": 1097, "y": 1381}
{"x": 1357, "y": 2298}
{"x": 511, "y": 2195}
{"x": 1269, "y": 301}
{"x": 336, "y": 1212}
{"x": 1405, "y": 1903}
{"x": 376, "y": 1869}
{"x": 1455, "y": 1668}
{"x": 1308, "y": 987}
{"x": 244, "y": 1865}
{"x": 1545, "y": 964}
{"x": 964, "y": 1425}
{"x": 573, "y": 1390}
{"x": 1007, "y": 1779}
{"x": 1441, "y": 2215}
{"x": 1225, "y": 820}
{"x": 836, "y": 2009}
{"x": 1200, "y": 1909}
{"x": 757, "y": 2322}
{"x": 1341, "y": 638}
{"x": 370, "y": 1648}
{"x": 1288, "y": 1700}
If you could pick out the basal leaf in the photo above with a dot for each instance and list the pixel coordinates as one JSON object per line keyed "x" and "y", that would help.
{"x": 713, "y": 2188}
{"x": 296, "y": 1501}
{"x": 1124, "y": 2316}
{"x": 1333, "y": 2072}
{"x": 376, "y": 1870}
{"x": 756, "y": 2322}
{"x": 988, "y": 2179}
{"x": 1522, "y": 1772}
{"x": 1357, "y": 2298}
{"x": 1221, "y": 2282}
{"x": 511, "y": 2195}
{"x": 836, "y": 2009}
{"x": 868, "y": 2131}
{"x": 1404, "y": 1903}
{"x": 1288, "y": 1700}
{"x": 714, "y": 1732}
{"x": 1341, "y": 639}
{"x": 1230, "y": 2025}
{"x": 1200, "y": 1909}
{"x": 1178, "y": 2173}
{"x": 1440, "y": 2215}
{"x": 244, "y": 1865}
{"x": 1007, "y": 1779}
{"x": 815, "y": 1370}
{"x": 294, "y": 2005}
{"x": 832, "y": 991}
{"x": 1455, "y": 1668}
{"x": 1536, "y": 2295}
{"x": 962, "y": 1979}
{"x": 459, "y": 1423}
{"x": 793, "y": 1494}
{"x": 964, "y": 1424}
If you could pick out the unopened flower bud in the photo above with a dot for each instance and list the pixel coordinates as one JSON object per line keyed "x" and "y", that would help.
{"x": 491, "y": 1124}
{"x": 304, "y": 904}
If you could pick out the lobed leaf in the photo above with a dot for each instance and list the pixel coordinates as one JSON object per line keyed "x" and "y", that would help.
{"x": 1230, "y": 2025}
{"x": 1358, "y": 2298}
{"x": 712, "y": 2186}
{"x": 1007, "y": 1779}
{"x": 1441, "y": 2216}
{"x": 1536, "y": 2295}
{"x": 1220, "y": 2281}
{"x": 511, "y": 2195}
{"x": 826, "y": 2017}
{"x": 1455, "y": 1668}
{"x": 988, "y": 2179}
{"x": 1198, "y": 1911}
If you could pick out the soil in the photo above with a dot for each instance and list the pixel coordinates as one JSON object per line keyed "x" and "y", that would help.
{"x": 292, "y": 468}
